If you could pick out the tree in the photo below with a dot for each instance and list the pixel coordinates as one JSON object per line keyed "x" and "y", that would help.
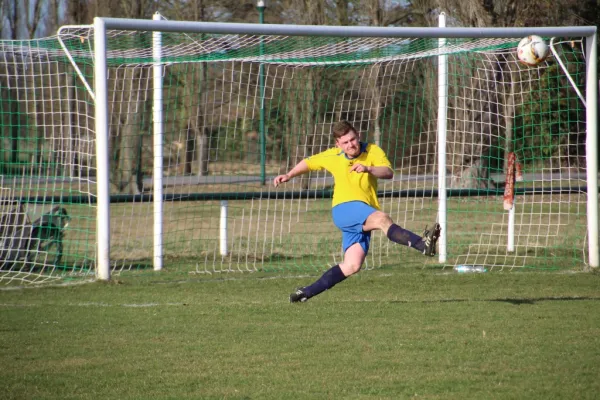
{"x": 474, "y": 131}
{"x": 28, "y": 20}
{"x": 128, "y": 83}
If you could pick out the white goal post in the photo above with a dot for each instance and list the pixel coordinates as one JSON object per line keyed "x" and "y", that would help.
{"x": 101, "y": 25}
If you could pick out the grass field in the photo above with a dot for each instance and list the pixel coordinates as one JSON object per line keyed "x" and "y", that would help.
{"x": 389, "y": 333}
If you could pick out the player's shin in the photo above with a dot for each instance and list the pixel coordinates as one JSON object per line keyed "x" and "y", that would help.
{"x": 329, "y": 279}
{"x": 405, "y": 237}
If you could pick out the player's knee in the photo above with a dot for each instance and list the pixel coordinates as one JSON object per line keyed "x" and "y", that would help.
{"x": 383, "y": 220}
{"x": 350, "y": 268}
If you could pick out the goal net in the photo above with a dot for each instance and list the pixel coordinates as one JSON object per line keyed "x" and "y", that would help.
{"x": 203, "y": 121}
{"x": 47, "y": 166}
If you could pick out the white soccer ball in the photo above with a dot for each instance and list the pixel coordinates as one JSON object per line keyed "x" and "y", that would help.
{"x": 532, "y": 50}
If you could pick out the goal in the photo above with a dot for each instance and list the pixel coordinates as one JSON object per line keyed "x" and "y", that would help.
{"x": 185, "y": 124}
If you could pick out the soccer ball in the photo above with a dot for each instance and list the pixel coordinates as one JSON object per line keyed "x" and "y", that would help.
{"x": 532, "y": 50}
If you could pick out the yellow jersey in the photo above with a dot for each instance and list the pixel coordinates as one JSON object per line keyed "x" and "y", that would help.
{"x": 351, "y": 186}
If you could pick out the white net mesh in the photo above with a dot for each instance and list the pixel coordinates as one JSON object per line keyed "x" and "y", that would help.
{"x": 240, "y": 109}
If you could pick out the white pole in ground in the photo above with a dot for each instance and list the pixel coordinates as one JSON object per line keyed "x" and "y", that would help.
{"x": 442, "y": 126}
{"x": 157, "y": 173}
{"x": 510, "y": 246}
{"x": 591, "y": 94}
{"x": 223, "y": 228}
{"x": 102, "y": 159}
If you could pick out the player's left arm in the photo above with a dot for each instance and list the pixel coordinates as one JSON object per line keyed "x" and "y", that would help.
{"x": 380, "y": 167}
{"x": 381, "y": 172}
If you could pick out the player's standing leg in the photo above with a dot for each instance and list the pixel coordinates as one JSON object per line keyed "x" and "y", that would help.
{"x": 353, "y": 260}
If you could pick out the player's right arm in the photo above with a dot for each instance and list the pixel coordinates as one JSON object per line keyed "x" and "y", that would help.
{"x": 299, "y": 169}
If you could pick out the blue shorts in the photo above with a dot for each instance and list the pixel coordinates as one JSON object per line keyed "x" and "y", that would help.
{"x": 349, "y": 218}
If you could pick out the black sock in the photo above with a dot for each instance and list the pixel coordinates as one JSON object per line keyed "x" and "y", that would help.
{"x": 403, "y": 236}
{"x": 329, "y": 279}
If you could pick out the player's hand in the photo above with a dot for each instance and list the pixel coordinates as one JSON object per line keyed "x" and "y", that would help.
{"x": 280, "y": 179}
{"x": 359, "y": 168}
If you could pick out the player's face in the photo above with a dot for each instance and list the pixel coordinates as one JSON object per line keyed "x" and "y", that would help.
{"x": 349, "y": 143}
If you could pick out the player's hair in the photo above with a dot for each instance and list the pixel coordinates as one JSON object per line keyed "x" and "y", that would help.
{"x": 341, "y": 128}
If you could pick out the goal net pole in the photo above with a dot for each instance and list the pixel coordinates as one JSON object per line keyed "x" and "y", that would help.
{"x": 592, "y": 148}
{"x": 102, "y": 158}
{"x": 157, "y": 147}
{"x": 442, "y": 130}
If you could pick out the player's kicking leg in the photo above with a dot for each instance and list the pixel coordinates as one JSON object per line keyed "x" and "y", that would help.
{"x": 425, "y": 244}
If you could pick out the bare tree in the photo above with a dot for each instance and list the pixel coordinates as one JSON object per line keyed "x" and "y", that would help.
{"x": 302, "y": 124}
{"x": 78, "y": 12}
{"x": 341, "y": 9}
{"x": 28, "y": 20}
{"x": 11, "y": 19}
{"x": 483, "y": 108}
{"x": 33, "y": 9}
{"x": 376, "y": 12}
{"x": 128, "y": 83}
{"x": 194, "y": 109}
{"x": 470, "y": 129}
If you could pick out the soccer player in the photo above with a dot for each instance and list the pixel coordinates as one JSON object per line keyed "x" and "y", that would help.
{"x": 356, "y": 166}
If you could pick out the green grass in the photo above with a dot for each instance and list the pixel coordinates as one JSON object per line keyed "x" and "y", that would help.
{"x": 388, "y": 333}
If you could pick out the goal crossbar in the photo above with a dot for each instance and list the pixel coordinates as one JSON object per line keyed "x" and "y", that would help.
{"x": 346, "y": 31}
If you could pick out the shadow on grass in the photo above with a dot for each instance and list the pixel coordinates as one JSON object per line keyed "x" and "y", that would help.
{"x": 516, "y": 302}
